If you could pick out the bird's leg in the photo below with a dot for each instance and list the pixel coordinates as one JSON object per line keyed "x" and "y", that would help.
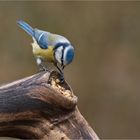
{"x": 40, "y": 64}
{"x": 61, "y": 72}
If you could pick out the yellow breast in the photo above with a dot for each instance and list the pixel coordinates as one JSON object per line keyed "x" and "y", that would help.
{"x": 46, "y": 54}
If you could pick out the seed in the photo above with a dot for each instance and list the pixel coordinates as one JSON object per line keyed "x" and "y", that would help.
{"x": 57, "y": 81}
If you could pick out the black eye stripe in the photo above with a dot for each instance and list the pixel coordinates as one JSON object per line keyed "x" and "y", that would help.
{"x": 62, "y": 57}
{"x": 61, "y": 44}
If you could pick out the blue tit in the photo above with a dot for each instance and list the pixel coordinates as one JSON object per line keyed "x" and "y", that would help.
{"x": 49, "y": 47}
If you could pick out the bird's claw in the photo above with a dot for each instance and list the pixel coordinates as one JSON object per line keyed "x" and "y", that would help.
{"x": 61, "y": 78}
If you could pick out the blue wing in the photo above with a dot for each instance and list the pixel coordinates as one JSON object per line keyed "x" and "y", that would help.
{"x": 40, "y": 36}
{"x": 26, "y": 27}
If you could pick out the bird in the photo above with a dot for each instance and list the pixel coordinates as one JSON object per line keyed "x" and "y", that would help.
{"x": 49, "y": 47}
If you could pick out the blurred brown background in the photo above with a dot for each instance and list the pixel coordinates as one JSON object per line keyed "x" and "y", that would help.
{"x": 105, "y": 74}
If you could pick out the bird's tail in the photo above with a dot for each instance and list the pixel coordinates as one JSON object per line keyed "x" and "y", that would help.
{"x": 26, "y": 27}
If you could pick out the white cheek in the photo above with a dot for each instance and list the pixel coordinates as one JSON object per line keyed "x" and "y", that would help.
{"x": 58, "y": 54}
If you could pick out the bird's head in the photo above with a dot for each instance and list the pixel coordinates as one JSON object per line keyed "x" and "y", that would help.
{"x": 63, "y": 51}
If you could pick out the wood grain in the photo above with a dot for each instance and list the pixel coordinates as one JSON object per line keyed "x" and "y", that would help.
{"x": 41, "y": 107}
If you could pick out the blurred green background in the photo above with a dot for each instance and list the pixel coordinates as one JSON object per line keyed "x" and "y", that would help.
{"x": 105, "y": 74}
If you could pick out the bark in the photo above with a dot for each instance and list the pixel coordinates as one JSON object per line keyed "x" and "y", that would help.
{"x": 41, "y": 107}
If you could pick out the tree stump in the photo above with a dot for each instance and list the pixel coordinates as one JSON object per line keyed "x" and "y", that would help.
{"x": 41, "y": 107}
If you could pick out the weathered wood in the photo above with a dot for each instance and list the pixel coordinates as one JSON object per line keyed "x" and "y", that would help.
{"x": 40, "y": 107}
